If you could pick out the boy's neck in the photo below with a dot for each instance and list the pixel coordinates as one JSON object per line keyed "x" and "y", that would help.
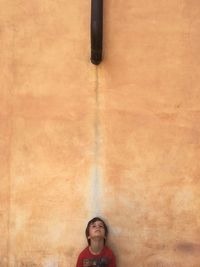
{"x": 96, "y": 246}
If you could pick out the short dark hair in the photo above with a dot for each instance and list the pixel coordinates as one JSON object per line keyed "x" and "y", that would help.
{"x": 95, "y": 219}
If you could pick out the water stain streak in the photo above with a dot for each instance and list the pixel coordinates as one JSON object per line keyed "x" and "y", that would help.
{"x": 96, "y": 175}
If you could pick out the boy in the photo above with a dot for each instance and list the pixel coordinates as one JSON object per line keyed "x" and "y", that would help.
{"x": 96, "y": 253}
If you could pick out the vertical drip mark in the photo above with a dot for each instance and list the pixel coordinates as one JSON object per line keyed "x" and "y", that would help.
{"x": 96, "y": 175}
{"x": 11, "y": 123}
{"x": 9, "y": 248}
{"x": 96, "y": 117}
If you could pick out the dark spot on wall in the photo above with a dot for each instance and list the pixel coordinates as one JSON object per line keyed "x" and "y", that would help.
{"x": 70, "y": 252}
{"x": 188, "y": 247}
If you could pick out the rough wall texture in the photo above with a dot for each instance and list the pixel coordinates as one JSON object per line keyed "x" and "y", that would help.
{"x": 120, "y": 140}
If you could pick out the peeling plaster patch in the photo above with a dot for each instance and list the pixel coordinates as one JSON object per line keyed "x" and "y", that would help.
{"x": 21, "y": 220}
{"x": 56, "y": 232}
{"x": 184, "y": 199}
{"x": 50, "y": 262}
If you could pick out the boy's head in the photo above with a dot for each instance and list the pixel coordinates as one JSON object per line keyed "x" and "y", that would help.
{"x": 96, "y": 222}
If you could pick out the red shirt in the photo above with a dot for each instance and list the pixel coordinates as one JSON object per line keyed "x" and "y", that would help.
{"x": 105, "y": 259}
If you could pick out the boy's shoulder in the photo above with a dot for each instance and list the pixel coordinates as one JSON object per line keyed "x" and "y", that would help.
{"x": 85, "y": 252}
{"x": 107, "y": 250}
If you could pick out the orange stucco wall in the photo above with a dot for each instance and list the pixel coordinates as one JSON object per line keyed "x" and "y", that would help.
{"x": 120, "y": 141}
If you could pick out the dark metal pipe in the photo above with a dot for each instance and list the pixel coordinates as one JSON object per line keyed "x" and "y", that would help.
{"x": 96, "y": 31}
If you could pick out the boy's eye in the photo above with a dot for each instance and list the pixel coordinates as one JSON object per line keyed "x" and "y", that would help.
{"x": 94, "y": 226}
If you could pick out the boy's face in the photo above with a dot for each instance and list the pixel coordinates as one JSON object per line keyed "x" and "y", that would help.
{"x": 96, "y": 230}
